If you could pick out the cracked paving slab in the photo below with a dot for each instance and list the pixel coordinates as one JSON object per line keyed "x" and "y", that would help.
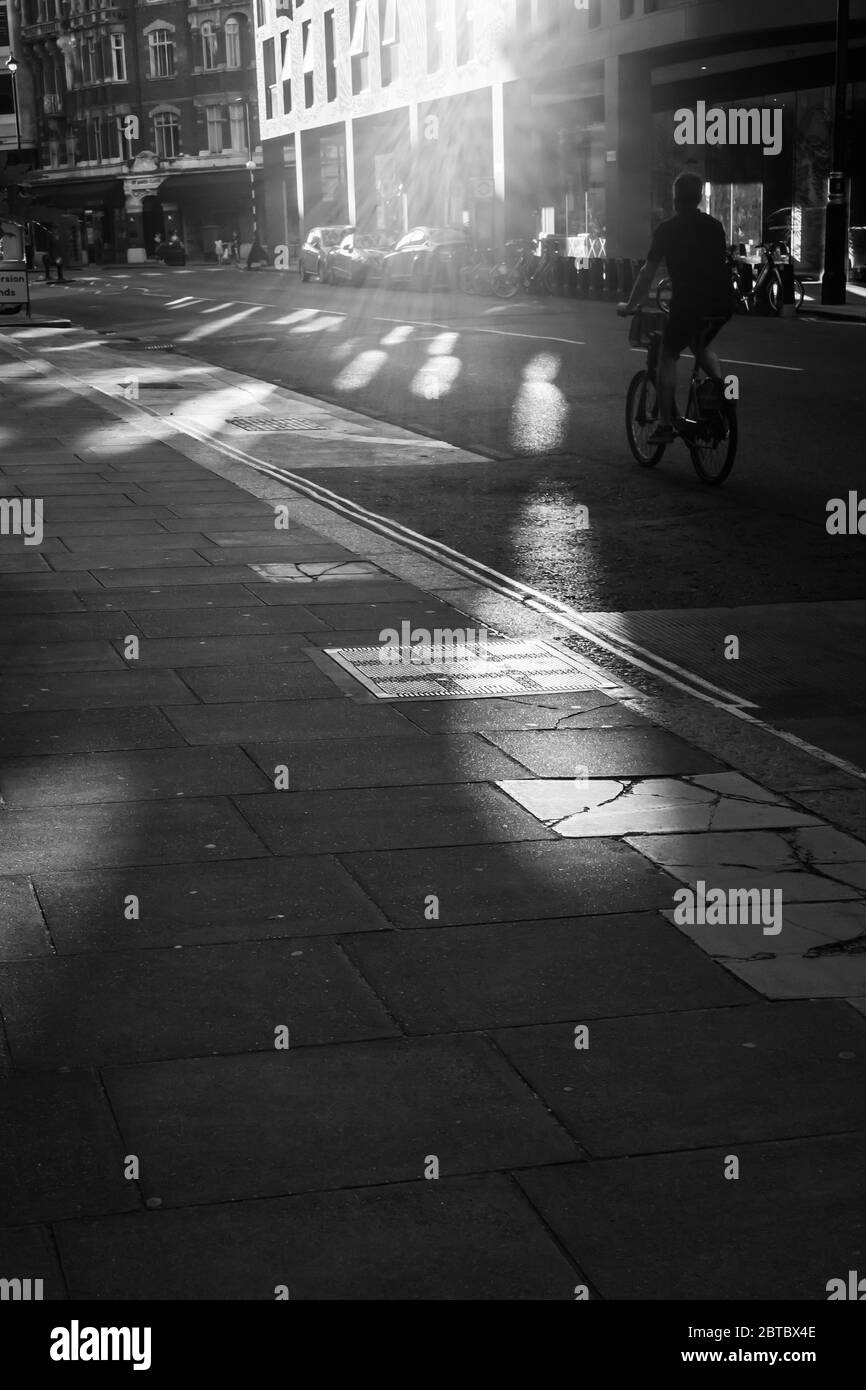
{"x": 319, "y": 572}
{"x": 719, "y": 801}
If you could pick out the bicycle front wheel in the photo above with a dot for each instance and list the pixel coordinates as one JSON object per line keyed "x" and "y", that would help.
{"x": 664, "y": 294}
{"x": 641, "y": 417}
{"x": 713, "y": 445}
{"x": 504, "y": 283}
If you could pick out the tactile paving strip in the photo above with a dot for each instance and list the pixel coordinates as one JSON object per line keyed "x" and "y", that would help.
{"x": 453, "y": 670}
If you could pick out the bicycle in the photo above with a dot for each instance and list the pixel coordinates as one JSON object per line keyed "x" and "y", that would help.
{"x": 526, "y": 271}
{"x": 709, "y": 427}
{"x": 477, "y": 276}
{"x": 764, "y": 295}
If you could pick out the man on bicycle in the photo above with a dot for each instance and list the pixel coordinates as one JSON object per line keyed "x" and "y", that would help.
{"x": 694, "y": 248}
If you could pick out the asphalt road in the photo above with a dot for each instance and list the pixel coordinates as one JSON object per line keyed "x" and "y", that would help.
{"x": 537, "y": 390}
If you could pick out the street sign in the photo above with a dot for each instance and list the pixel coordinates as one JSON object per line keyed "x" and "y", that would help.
{"x": 11, "y": 240}
{"x": 13, "y": 287}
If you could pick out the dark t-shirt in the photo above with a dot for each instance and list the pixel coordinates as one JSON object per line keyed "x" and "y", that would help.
{"x": 693, "y": 247}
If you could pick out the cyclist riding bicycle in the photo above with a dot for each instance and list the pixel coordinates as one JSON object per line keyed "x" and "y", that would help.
{"x": 694, "y": 248}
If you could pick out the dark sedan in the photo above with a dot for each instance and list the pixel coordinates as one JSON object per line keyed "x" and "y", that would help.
{"x": 357, "y": 259}
{"x": 314, "y": 252}
{"x": 426, "y": 257}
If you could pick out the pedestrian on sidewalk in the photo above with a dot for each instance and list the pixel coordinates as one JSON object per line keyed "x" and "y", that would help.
{"x": 51, "y": 256}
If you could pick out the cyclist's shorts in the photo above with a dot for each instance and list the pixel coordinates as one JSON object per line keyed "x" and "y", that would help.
{"x": 684, "y": 326}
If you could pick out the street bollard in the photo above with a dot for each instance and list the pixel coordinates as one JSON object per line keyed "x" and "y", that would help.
{"x": 611, "y": 278}
{"x": 596, "y": 278}
{"x": 789, "y": 290}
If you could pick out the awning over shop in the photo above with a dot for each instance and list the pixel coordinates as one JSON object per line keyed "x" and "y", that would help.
{"x": 80, "y": 193}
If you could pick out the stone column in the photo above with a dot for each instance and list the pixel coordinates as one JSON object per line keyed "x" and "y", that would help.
{"x": 628, "y": 154}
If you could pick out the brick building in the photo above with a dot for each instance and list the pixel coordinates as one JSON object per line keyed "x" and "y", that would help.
{"x": 515, "y": 115}
{"x": 145, "y": 111}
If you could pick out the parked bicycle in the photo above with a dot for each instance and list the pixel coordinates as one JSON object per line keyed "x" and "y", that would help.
{"x": 709, "y": 426}
{"x": 761, "y": 294}
{"x": 527, "y": 270}
{"x": 477, "y": 277}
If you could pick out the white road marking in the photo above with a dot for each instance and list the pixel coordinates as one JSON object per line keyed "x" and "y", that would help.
{"x": 472, "y": 328}
{"x": 175, "y": 303}
{"x": 217, "y": 325}
{"x": 216, "y": 308}
{"x": 737, "y": 362}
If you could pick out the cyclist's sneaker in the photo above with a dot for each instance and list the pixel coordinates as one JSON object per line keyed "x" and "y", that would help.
{"x": 662, "y": 434}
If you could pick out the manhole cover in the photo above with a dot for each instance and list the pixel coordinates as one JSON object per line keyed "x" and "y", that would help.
{"x": 272, "y": 424}
{"x": 446, "y": 669}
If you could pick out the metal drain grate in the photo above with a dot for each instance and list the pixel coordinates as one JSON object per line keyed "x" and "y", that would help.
{"x": 498, "y": 667}
{"x": 273, "y": 424}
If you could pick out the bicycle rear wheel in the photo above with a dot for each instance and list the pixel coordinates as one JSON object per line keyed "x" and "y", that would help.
{"x": 641, "y": 416}
{"x": 467, "y": 279}
{"x": 504, "y": 283}
{"x": 712, "y": 444}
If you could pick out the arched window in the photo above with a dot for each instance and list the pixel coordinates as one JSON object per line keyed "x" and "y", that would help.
{"x": 233, "y": 43}
{"x": 208, "y": 46}
{"x": 160, "y": 43}
{"x": 166, "y": 132}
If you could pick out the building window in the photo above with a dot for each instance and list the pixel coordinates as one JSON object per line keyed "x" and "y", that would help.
{"x": 208, "y": 47}
{"x": 89, "y": 64}
{"x": 269, "y": 58}
{"x": 117, "y": 140}
{"x": 94, "y": 143}
{"x": 215, "y": 129}
{"x": 358, "y": 47}
{"x": 626, "y": 9}
{"x": 330, "y": 58}
{"x": 166, "y": 131}
{"x": 260, "y": 12}
{"x": 233, "y": 43}
{"x": 237, "y": 128}
{"x": 161, "y": 52}
{"x": 435, "y": 26}
{"x": 389, "y": 32}
{"x": 309, "y": 64}
{"x": 286, "y": 70}
{"x": 465, "y": 33}
{"x": 118, "y": 58}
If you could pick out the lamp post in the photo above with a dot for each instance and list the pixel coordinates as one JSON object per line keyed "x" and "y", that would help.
{"x": 12, "y": 67}
{"x": 834, "y": 282}
{"x": 251, "y": 164}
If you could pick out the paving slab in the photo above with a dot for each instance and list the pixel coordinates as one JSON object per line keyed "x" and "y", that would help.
{"x": 88, "y": 1011}
{"x": 61, "y": 1154}
{"x": 85, "y": 731}
{"x": 160, "y": 832}
{"x": 619, "y": 752}
{"x": 468, "y": 716}
{"x": 511, "y": 974}
{"x": 236, "y": 900}
{"x": 792, "y": 1222}
{"x": 92, "y": 690}
{"x": 107, "y": 558}
{"x": 61, "y": 656}
{"x": 479, "y": 1237}
{"x": 182, "y": 653}
{"x": 385, "y": 615}
{"x": 77, "y": 627}
{"x": 27, "y": 1252}
{"x": 151, "y": 775}
{"x": 507, "y": 883}
{"x": 261, "y": 680}
{"x": 611, "y": 806}
{"x": 333, "y": 822}
{"x": 336, "y": 596}
{"x": 414, "y": 760}
{"x": 694, "y": 1079}
{"x": 199, "y": 595}
{"x": 22, "y": 925}
{"x": 289, "y": 719}
{"x": 373, "y": 1113}
{"x": 243, "y": 616}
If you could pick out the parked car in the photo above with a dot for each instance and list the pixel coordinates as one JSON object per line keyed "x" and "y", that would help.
{"x": 171, "y": 252}
{"x": 426, "y": 257}
{"x": 314, "y": 252}
{"x": 357, "y": 260}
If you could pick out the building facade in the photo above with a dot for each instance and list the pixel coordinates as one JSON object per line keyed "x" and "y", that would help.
{"x": 145, "y": 116}
{"x": 512, "y": 116}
